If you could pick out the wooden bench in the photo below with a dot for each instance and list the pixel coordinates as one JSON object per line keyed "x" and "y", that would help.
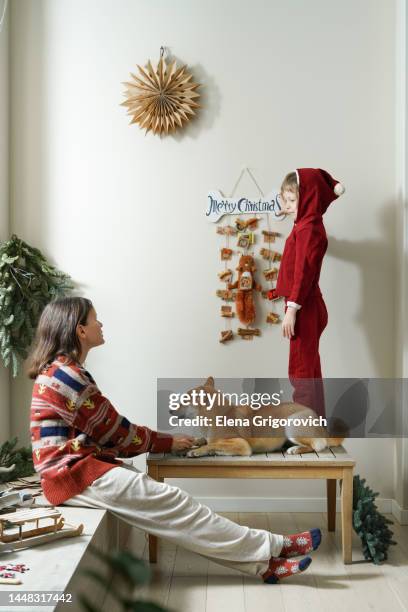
{"x": 331, "y": 464}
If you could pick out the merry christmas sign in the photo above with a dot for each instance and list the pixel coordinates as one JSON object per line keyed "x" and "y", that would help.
{"x": 218, "y": 206}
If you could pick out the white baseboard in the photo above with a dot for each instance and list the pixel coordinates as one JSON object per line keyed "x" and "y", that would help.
{"x": 282, "y": 504}
{"x": 399, "y": 513}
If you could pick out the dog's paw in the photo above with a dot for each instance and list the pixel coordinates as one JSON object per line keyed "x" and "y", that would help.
{"x": 293, "y": 450}
{"x": 200, "y": 441}
{"x": 193, "y": 453}
{"x": 201, "y": 452}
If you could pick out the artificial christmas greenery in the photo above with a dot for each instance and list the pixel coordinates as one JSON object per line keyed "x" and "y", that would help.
{"x": 125, "y": 572}
{"x": 20, "y": 458}
{"x": 27, "y": 283}
{"x": 369, "y": 524}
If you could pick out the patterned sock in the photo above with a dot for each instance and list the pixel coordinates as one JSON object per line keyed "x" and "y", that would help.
{"x": 280, "y": 567}
{"x": 300, "y": 543}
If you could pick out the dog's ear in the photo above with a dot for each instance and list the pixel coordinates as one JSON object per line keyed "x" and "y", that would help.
{"x": 209, "y": 382}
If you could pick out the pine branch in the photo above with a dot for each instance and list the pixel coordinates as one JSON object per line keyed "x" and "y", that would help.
{"x": 369, "y": 524}
{"x": 27, "y": 283}
{"x": 21, "y": 458}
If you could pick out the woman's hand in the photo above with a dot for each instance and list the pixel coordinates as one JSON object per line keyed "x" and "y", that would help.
{"x": 288, "y": 323}
{"x": 181, "y": 443}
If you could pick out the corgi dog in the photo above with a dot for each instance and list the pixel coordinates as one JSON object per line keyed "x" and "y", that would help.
{"x": 249, "y": 439}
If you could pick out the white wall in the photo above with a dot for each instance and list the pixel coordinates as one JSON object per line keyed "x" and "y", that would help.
{"x": 285, "y": 85}
{"x": 401, "y": 302}
{"x": 4, "y": 199}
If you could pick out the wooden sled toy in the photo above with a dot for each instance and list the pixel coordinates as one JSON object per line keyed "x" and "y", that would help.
{"x": 16, "y": 537}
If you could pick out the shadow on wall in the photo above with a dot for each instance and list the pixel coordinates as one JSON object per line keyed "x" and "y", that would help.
{"x": 209, "y": 102}
{"x": 29, "y": 219}
{"x": 376, "y": 260}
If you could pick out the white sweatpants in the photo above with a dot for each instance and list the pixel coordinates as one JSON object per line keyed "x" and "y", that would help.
{"x": 171, "y": 513}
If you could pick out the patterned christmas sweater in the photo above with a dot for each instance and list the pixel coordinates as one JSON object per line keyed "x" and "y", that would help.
{"x": 77, "y": 434}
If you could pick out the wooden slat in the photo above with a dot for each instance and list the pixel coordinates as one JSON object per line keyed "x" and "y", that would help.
{"x": 157, "y": 456}
{"x": 158, "y": 588}
{"x": 340, "y": 452}
{"x": 188, "y": 593}
{"x": 255, "y": 457}
{"x": 299, "y": 460}
{"x": 255, "y": 596}
{"x": 273, "y": 456}
{"x": 225, "y": 462}
{"x": 326, "y": 454}
{"x": 310, "y": 456}
{"x": 258, "y": 459}
{"x": 284, "y": 470}
{"x": 302, "y": 457}
{"x": 22, "y": 516}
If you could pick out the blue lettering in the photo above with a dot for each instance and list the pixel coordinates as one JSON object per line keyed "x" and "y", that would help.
{"x": 211, "y": 206}
{"x": 243, "y": 205}
{"x": 240, "y": 204}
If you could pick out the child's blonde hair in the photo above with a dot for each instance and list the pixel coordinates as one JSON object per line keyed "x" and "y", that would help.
{"x": 290, "y": 183}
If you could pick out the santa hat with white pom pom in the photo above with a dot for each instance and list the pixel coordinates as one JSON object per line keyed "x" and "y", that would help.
{"x": 339, "y": 189}
{"x": 317, "y": 189}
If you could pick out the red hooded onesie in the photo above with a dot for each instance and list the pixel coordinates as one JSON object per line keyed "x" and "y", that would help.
{"x": 298, "y": 281}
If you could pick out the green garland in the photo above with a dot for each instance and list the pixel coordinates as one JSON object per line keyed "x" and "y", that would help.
{"x": 21, "y": 458}
{"x": 27, "y": 283}
{"x": 369, "y": 524}
{"x": 125, "y": 572}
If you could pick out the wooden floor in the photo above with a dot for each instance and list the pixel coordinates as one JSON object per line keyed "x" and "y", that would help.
{"x": 185, "y": 582}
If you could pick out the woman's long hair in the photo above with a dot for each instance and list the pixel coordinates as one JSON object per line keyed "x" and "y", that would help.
{"x": 56, "y": 332}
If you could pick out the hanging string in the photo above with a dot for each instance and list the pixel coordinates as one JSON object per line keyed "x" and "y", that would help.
{"x": 237, "y": 182}
{"x": 255, "y": 181}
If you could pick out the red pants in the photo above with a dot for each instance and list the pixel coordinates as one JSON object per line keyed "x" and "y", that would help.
{"x": 305, "y": 373}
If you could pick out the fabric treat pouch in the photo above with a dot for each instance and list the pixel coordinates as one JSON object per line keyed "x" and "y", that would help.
{"x": 245, "y": 282}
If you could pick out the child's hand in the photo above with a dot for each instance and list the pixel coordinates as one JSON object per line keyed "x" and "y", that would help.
{"x": 181, "y": 443}
{"x": 288, "y": 323}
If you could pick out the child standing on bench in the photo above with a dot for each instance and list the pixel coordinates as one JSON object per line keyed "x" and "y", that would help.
{"x": 78, "y": 436}
{"x": 306, "y": 194}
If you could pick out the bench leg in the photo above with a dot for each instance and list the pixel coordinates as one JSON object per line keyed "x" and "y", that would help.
{"x": 153, "y": 472}
{"x": 152, "y": 548}
{"x": 331, "y": 504}
{"x": 346, "y": 513}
